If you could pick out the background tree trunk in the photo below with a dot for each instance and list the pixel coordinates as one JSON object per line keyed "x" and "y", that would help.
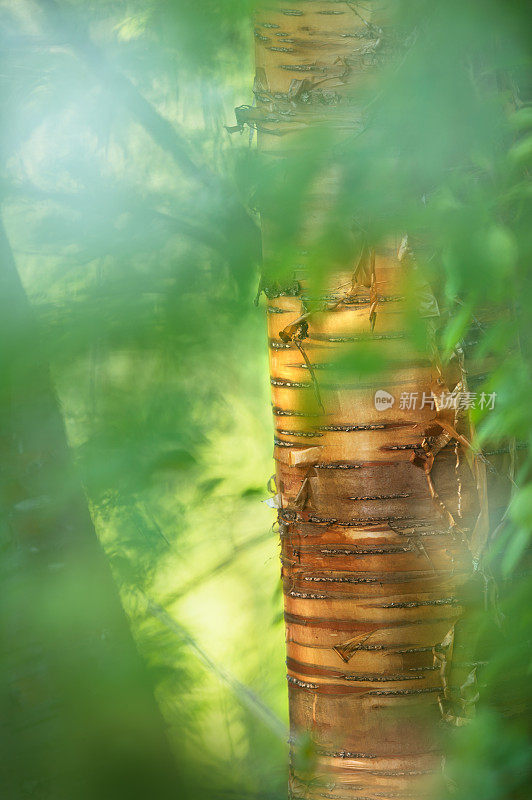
{"x": 79, "y": 718}
{"x": 376, "y": 504}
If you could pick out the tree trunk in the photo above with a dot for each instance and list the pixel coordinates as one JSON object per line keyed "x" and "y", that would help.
{"x": 375, "y": 500}
{"x": 79, "y": 718}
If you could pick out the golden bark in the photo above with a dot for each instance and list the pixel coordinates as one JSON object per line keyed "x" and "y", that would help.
{"x": 377, "y": 505}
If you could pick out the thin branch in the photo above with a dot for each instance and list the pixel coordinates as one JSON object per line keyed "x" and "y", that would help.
{"x": 232, "y": 213}
{"x": 247, "y": 696}
{"x": 198, "y": 230}
{"x": 161, "y": 130}
{"x": 223, "y": 564}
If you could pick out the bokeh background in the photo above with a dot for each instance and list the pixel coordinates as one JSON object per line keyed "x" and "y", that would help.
{"x": 136, "y": 440}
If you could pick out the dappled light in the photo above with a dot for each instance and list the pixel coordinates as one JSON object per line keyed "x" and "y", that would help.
{"x": 215, "y": 210}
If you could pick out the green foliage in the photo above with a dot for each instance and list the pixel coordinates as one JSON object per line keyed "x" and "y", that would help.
{"x": 131, "y": 213}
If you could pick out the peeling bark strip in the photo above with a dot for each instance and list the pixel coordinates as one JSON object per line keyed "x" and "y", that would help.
{"x": 374, "y": 562}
